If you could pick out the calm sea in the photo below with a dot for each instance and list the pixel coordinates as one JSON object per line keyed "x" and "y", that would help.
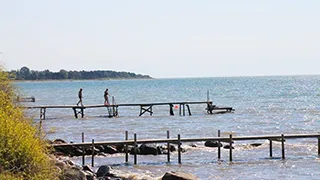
{"x": 263, "y": 106}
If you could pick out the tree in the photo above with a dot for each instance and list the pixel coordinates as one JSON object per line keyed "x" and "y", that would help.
{"x": 25, "y": 73}
{"x": 63, "y": 74}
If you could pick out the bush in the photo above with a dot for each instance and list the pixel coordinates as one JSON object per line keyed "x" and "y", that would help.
{"x": 23, "y": 154}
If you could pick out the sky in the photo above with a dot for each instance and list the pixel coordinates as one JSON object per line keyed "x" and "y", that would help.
{"x": 163, "y": 39}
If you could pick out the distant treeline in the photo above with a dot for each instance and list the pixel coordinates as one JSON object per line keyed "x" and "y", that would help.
{"x": 26, "y": 74}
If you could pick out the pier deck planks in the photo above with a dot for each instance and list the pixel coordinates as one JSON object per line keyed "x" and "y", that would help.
{"x": 144, "y": 108}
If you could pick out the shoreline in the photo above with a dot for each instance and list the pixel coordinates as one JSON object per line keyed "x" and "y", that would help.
{"x": 74, "y": 80}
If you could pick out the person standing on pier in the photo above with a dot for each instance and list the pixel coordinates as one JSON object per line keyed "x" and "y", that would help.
{"x": 106, "y": 97}
{"x": 80, "y": 97}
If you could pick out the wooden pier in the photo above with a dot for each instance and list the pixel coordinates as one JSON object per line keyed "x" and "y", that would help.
{"x": 230, "y": 140}
{"x": 144, "y": 108}
{"x": 26, "y": 99}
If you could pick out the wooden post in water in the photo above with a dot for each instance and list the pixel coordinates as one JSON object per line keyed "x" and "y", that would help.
{"x": 83, "y": 151}
{"x": 230, "y": 152}
{"x": 171, "y": 110}
{"x": 135, "y": 148}
{"x": 126, "y": 148}
{"x": 180, "y": 109}
{"x": 282, "y": 145}
{"x": 189, "y": 111}
{"x": 151, "y": 112}
{"x": 184, "y": 110}
{"x": 82, "y": 112}
{"x": 270, "y": 147}
{"x": 219, "y": 148}
{"x": 318, "y": 145}
{"x": 75, "y": 112}
{"x": 179, "y": 149}
{"x": 168, "y": 147}
{"x": 113, "y": 107}
{"x": 92, "y": 160}
{"x": 43, "y": 113}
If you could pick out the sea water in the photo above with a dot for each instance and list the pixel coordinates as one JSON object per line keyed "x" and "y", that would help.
{"x": 271, "y": 105}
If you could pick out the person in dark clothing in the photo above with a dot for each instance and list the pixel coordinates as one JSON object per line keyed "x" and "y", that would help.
{"x": 80, "y": 97}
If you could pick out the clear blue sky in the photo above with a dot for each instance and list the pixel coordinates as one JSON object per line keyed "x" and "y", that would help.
{"x": 164, "y": 39}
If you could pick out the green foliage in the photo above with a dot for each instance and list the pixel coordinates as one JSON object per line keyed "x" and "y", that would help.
{"x": 23, "y": 154}
{"x": 9, "y": 176}
{"x": 26, "y": 74}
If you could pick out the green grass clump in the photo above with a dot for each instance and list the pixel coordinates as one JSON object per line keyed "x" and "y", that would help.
{"x": 23, "y": 154}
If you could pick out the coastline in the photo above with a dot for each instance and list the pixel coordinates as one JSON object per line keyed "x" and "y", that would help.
{"x": 76, "y": 80}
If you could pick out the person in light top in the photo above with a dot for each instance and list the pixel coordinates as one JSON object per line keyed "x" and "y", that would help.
{"x": 106, "y": 97}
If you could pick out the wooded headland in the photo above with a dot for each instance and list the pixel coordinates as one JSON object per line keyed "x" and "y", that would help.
{"x": 26, "y": 74}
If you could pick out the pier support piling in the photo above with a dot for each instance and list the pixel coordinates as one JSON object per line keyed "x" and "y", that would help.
{"x": 126, "y": 148}
{"x": 143, "y": 110}
{"x": 282, "y": 145}
{"x": 189, "y": 111}
{"x": 83, "y": 150}
{"x": 219, "y": 147}
{"x": 168, "y": 147}
{"x": 270, "y": 147}
{"x": 135, "y": 148}
{"x": 230, "y": 152}
{"x": 171, "y": 109}
{"x": 184, "y": 109}
{"x": 318, "y": 146}
{"x": 42, "y": 113}
{"x": 80, "y": 111}
{"x": 179, "y": 149}
{"x": 92, "y": 160}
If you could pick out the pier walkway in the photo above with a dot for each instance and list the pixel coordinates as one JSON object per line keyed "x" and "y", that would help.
{"x": 230, "y": 140}
{"x": 144, "y": 108}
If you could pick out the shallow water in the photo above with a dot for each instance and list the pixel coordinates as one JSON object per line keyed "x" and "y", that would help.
{"x": 263, "y": 106}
